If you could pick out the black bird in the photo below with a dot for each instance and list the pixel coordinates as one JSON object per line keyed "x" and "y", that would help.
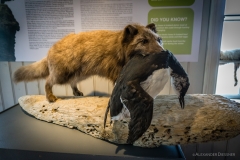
{"x": 141, "y": 79}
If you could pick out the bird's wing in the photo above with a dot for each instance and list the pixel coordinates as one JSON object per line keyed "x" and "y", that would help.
{"x": 140, "y": 106}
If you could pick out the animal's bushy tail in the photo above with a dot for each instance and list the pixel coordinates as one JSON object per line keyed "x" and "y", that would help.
{"x": 32, "y": 72}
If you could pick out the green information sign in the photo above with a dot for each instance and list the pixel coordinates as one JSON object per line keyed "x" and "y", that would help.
{"x": 175, "y": 26}
{"x": 162, "y": 3}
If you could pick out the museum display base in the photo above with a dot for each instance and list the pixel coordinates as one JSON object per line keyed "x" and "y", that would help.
{"x": 205, "y": 118}
{"x": 24, "y": 137}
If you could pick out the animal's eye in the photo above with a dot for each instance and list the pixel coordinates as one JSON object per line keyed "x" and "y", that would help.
{"x": 144, "y": 41}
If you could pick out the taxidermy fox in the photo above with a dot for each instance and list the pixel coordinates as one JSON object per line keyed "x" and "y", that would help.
{"x": 232, "y": 55}
{"x": 79, "y": 56}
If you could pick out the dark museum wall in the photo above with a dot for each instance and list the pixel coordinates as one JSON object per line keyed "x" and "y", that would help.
{"x": 202, "y": 75}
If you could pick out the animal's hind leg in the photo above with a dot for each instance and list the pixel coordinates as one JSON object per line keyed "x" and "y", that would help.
{"x": 76, "y": 92}
{"x": 48, "y": 89}
{"x": 236, "y": 66}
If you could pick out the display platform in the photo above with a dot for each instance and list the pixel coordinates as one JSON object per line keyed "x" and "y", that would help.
{"x": 24, "y": 137}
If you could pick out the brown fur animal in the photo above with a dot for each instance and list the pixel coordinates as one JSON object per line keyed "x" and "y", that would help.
{"x": 78, "y": 56}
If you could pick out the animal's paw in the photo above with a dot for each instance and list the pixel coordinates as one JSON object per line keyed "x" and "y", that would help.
{"x": 77, "y": 93}
{"x": 51, "y": 98}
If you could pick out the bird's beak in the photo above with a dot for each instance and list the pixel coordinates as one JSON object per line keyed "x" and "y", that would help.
{"x": 181, "y": 101}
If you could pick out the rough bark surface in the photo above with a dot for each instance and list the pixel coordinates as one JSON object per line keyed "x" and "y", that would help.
{"x": 205, "y": 118}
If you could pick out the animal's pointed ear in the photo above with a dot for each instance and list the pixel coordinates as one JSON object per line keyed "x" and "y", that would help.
{"x": 129, "y": 32}
{"x": 152, "y": 26}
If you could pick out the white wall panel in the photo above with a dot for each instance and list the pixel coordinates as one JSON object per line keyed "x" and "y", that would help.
{"x": 41, "y": 84}
{"x": 32, "y": 88}
{"x": 69, "y": 91}
{"x": 6, "y": 85}
{"x": 110, "y": 87}
{"x": 100, "y": 86}
{"x": 18, "y": 88}
{"x": 232, "y": 7}
{"x": 230, "y": 35}
{"x": 59, "y": 90}
{"x": 87, "y": 87}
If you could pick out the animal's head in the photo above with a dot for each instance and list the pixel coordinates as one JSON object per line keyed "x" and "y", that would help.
{"x": 138, "y": 39}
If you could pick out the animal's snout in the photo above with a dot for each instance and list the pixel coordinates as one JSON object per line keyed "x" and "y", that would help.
{"x": 156, "y": 48}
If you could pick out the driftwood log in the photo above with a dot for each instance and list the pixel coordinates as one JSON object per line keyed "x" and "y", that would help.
{"x": 205, "y": 118}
